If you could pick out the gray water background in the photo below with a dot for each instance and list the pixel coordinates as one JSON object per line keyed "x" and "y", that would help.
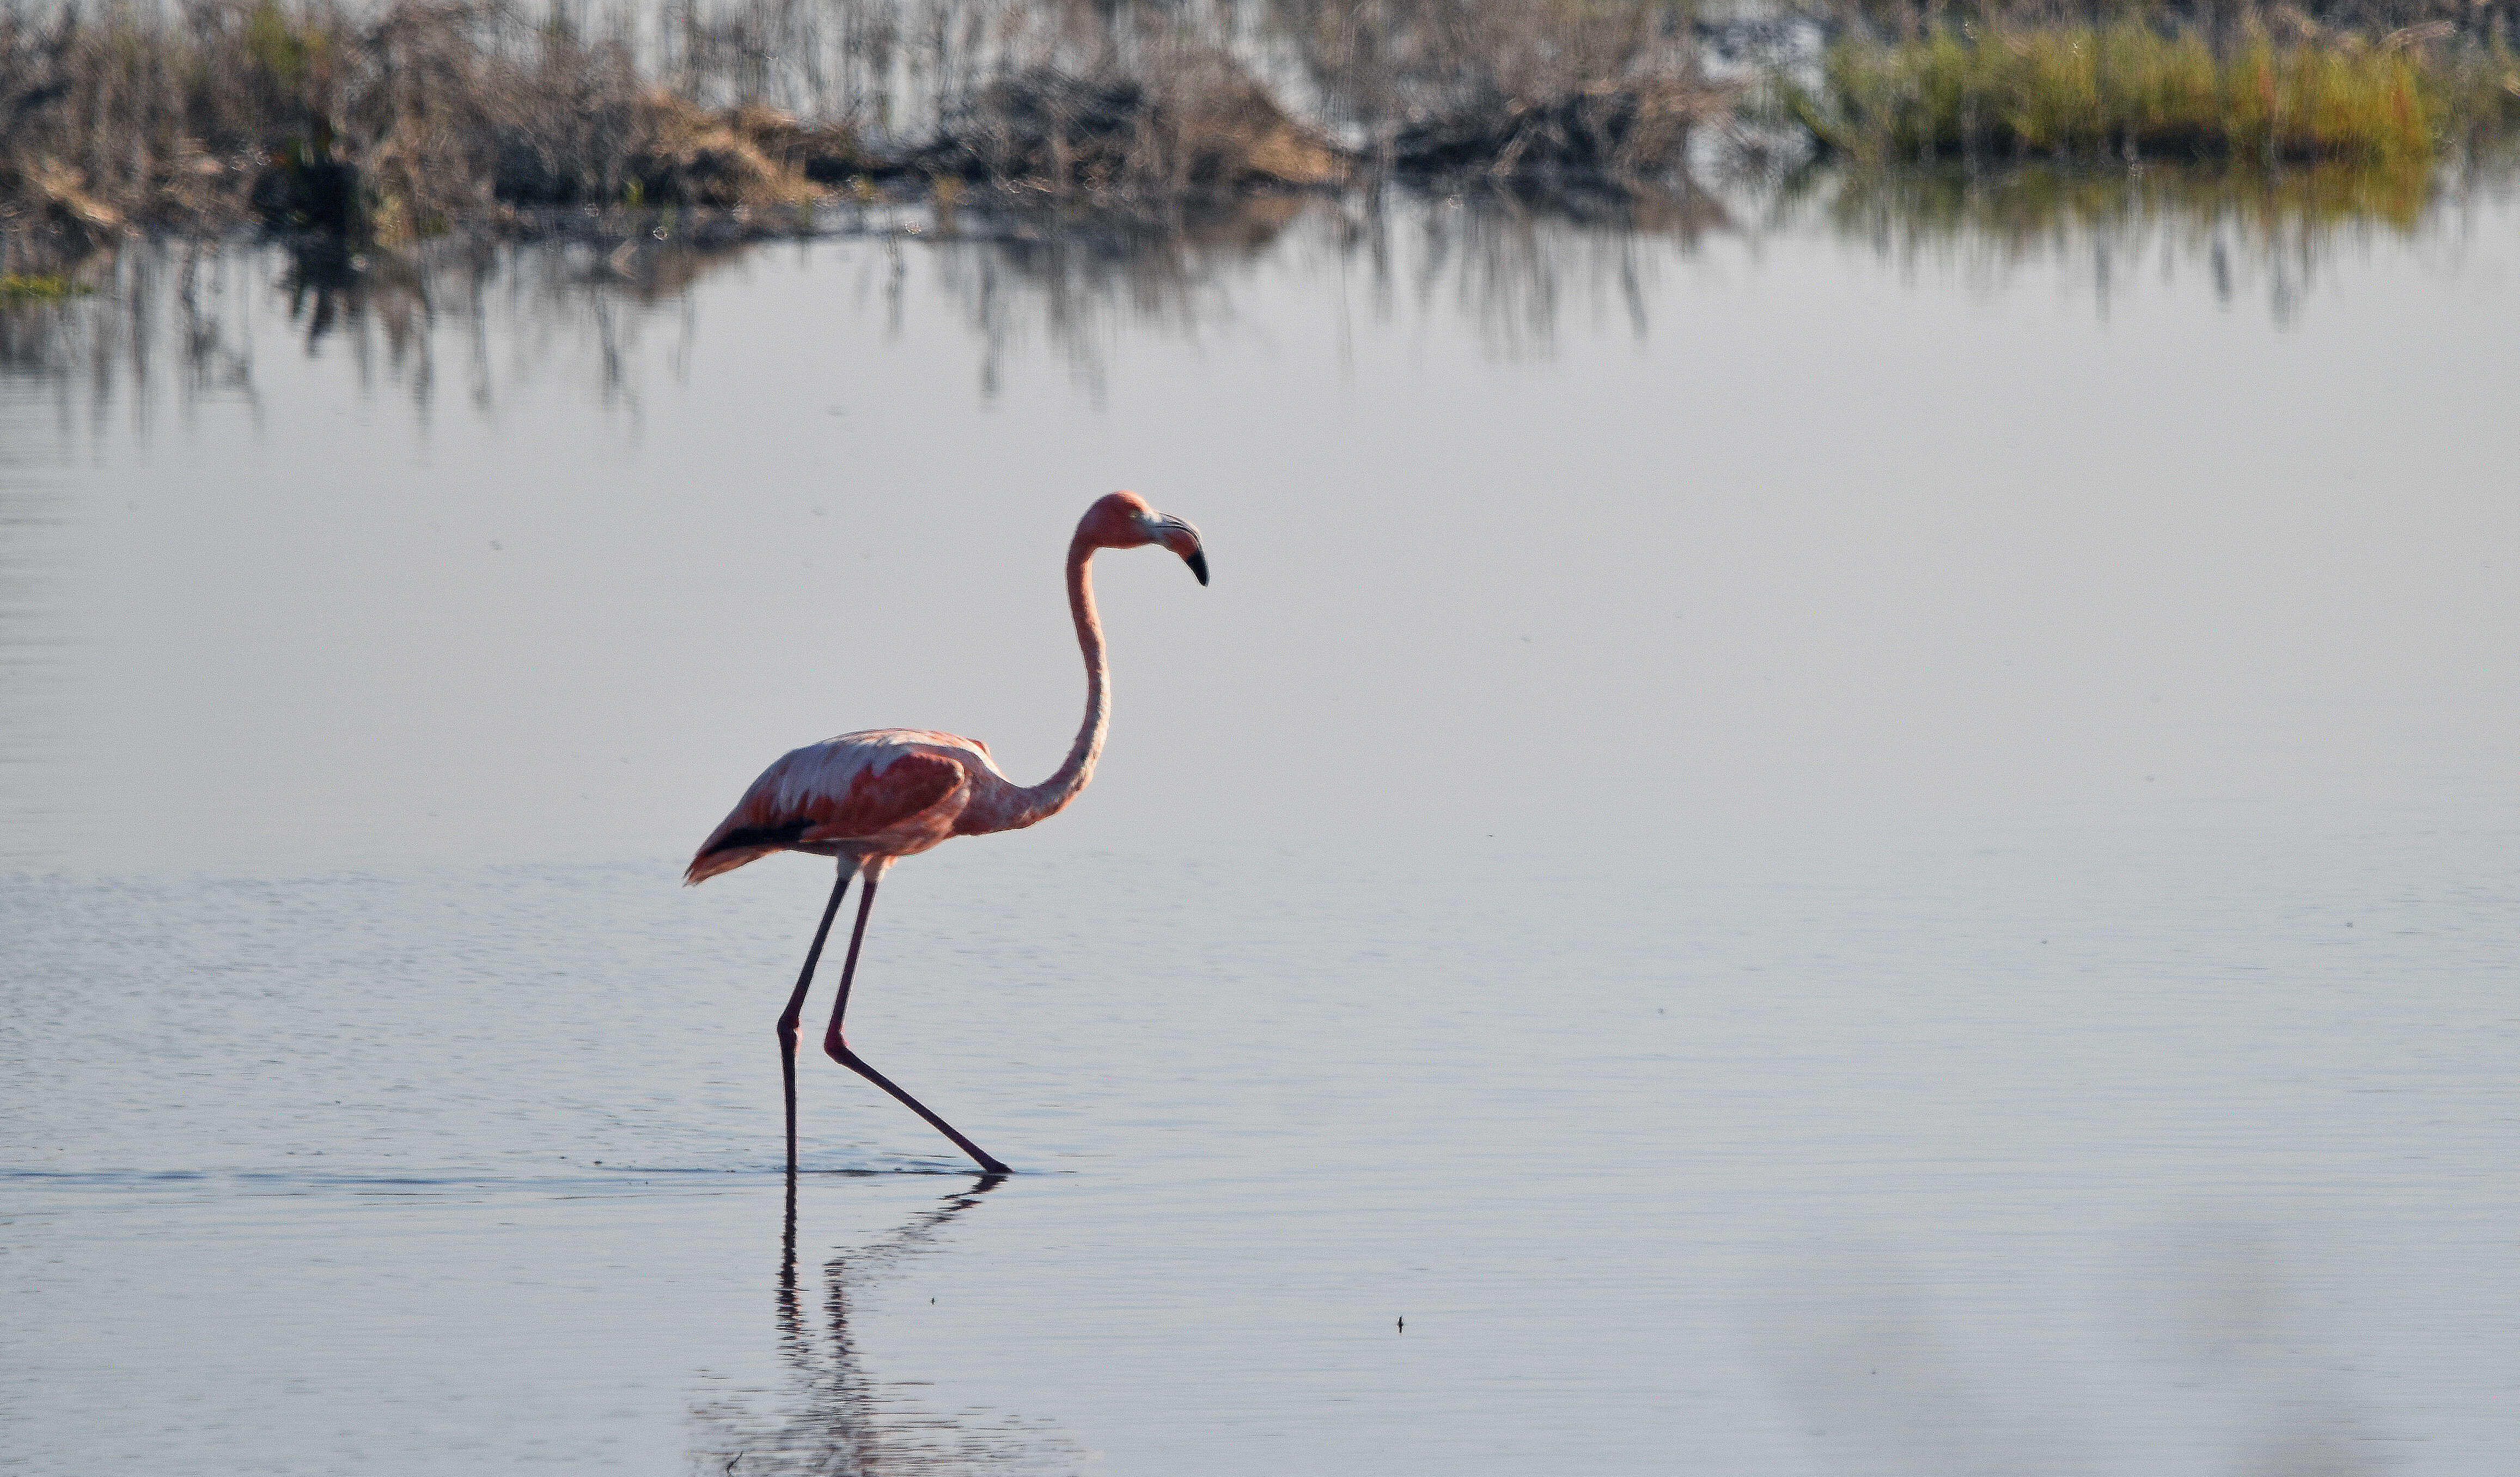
{"x": 1815, "y": 847}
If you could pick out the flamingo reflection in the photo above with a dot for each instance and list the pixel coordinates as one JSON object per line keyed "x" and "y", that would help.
{"x": 837, "y": 1418}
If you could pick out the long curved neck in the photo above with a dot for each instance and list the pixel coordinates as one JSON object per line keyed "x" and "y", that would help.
{"x": 1050, "y": 796}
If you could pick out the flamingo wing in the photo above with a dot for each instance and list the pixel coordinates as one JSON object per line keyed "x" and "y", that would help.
{"x": 843, "y": 790}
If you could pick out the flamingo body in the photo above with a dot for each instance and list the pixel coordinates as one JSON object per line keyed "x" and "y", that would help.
{"x": 891, "y": 793}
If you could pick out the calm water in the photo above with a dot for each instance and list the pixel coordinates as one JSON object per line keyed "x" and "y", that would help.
{"x": 1825, "y": 836}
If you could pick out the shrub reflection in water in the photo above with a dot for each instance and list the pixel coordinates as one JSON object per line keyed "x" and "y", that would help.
{"x": 168, "y": 320}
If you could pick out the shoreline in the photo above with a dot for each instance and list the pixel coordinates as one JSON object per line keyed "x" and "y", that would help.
{"x": 307, "y": 122}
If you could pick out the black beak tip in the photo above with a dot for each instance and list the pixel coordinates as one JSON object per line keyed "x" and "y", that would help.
{"x": 1197, "y": 562}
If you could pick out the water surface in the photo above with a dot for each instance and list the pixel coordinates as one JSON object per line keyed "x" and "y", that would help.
{"x": 1817, "y": 835}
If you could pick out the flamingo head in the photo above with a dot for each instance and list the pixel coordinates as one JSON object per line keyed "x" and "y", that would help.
{"x": 1123, "y": 520}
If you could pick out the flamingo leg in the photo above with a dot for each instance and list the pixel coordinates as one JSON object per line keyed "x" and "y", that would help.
{"x": 840, "y": 1053}
{"x": 796, "y": 1008}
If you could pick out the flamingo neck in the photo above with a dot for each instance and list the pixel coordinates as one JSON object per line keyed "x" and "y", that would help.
{"x": 1052, "y": 795}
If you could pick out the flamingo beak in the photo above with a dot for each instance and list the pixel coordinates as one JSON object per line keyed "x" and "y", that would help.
{"x": 1182, "y": 539}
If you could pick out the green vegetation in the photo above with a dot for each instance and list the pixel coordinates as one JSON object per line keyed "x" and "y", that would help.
{"x": 2131, "y": 90}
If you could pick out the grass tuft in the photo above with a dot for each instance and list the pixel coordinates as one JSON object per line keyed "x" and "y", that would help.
{"x": 2131, "y": 90}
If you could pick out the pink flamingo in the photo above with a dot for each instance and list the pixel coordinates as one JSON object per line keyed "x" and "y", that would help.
{"x": 874, "y": 797}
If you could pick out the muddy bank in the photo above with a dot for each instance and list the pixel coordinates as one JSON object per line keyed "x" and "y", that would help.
{"x": 383, "y": 127}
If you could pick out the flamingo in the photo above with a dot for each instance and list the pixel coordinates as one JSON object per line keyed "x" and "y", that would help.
{"x": 874, "y": 797}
